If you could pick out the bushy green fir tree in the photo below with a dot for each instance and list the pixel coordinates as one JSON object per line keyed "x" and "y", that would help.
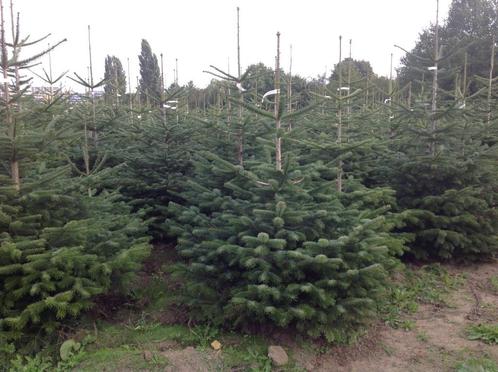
{"x": 63, "y": 239}
{"x": 264, "y": 246}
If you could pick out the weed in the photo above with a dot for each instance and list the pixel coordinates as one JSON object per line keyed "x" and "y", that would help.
{"x": 487, "y": 333}
{"x": 429, "y": 285}
{"x": 261, "y": 359}
{"x": 493, "y": 283}
{"x": 481, "y": 364}
{"x": 31, "y": 364}
{"x": 204, "y": 334}
{"x": 142, "y": 324}
{"x": 422, "y": 337}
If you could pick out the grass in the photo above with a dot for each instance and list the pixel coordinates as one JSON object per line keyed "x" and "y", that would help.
{"x": 422, "y": 337}
{"x": 115, "y": 335}
{"x": 487, "y": 333}
{"x": 430, "y": 284}
{"x": 121, "y": 346}
{"x": 493, "y": 283}
{"x": 477, "y": 364}
{"x": 121, "y": 359}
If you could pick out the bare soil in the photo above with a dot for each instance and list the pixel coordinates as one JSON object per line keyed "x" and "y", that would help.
{"x": 436, "y": 342}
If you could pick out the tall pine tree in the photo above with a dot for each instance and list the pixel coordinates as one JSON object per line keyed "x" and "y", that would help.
{"x": 150, "y": 75}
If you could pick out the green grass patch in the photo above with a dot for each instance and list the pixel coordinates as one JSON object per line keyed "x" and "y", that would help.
{"x": 430, "y": 284}
{"x": 477, "y": 364}
{"x": 116, "y": 335}
{"x": 121, "y": 359}
{"x": 493, "y": 283}
{"x": 487, "y": 333}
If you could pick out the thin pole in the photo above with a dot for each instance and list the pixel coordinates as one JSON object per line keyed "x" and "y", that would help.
{"x": 14, "y": 164}
{"x": 240, "y": 150}
{"x": 491, "y": 67}
{"x": 349, "y": 76}
{"x": 435, "y": 84}
{"x": 289, "y": 86}
{"x": 229, "y": 103}
{"x": 464, "y": 88}
{"x": 176, "y": 71}
{"x": 130, "y": 97}
{"x": 163, "y": 109}
{"x": 278, "y": 139}
{"x": 391, "y": 131}
{"x": 339, "y": 116}
{"x": 50, "y": 72}
{"x": 238, "y": 43}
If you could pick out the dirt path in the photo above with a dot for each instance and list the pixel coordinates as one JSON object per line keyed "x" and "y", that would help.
{"x": 436, "y": 342}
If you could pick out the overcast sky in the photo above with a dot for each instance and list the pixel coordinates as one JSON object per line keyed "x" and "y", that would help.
{"x": 202, "y": 33}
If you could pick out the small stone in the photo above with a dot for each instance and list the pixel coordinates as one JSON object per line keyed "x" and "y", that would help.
{"x": 216, "y": 345}
{"x": 147, "y": 355}
{"x": 167, "y": 345}
{"x": 278, "y": 355}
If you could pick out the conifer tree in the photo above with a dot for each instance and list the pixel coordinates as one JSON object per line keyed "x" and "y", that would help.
{"x": 58, "y": 246}
{"x": 442, "y": 166}
{"x": 275, "y": 242}
{"x": 150, "y": 75}
{"x": 115, "y": 80}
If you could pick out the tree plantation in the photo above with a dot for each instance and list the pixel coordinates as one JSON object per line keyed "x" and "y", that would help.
{"x": 262, "y": 203}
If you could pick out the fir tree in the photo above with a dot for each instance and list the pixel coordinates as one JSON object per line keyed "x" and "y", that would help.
{"x": 280, "y": 247}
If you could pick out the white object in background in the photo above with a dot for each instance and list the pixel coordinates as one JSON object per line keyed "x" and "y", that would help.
{"x": 270, "y": 93}
{"x": 432, "y": 68}
{"x": 387, "y": 100}
{"x": 240, "y": 87}
{"x": 343, "y": 88}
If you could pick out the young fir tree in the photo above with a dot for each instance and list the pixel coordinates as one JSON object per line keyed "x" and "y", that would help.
{"x": 443, "y": 167}
{"x": 276, "y": 243}
{"x": 59, "y": 246}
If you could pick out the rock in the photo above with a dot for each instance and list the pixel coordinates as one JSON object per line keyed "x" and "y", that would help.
{"x": 216, "y": 345}
{"x": 278, "y": 355}
{"x": 147, "y": 355}
{"x": 167, "y": 345}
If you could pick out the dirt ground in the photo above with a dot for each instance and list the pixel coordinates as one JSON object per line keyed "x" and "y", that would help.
{"x": 436, "y": 341}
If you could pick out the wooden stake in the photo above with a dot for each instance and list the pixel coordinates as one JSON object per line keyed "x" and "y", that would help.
{"x": 464, "y": 88}
{"x": 339, "y": 117}
{"x": 9, "y": 119}
{"x": 240, "y": 147}
{"x": 289, "y": 84}
{"x": 278, "y": 139}
{"x": 435, "y": 84}
{"x": 130, "y": 95}
{"x": 490, "y": 82}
